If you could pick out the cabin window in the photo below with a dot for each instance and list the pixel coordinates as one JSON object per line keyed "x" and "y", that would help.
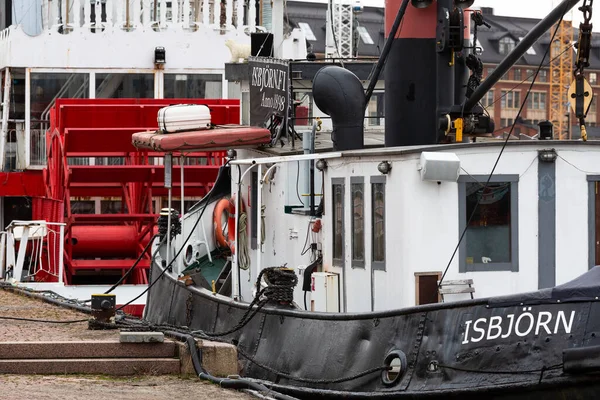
{"x": 337, "y": 186}
{"x": 491, "y": 239}
{"x": 357, "y": 188}
{"x": 123, "y": 86}
{"x": 193, "y": 86}
{"x": 378, "y": 222}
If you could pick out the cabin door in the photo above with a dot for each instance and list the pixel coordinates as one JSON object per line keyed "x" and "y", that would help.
{"x": 426, "y": 287}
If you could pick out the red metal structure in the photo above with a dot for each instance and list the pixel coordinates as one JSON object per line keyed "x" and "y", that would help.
{"x": 99, "y": 248}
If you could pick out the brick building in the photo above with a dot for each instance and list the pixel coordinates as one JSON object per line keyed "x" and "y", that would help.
{"x": 504, "y": 100}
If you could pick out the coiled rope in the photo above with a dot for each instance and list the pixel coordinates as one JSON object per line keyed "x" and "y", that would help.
{"x": 280, "y": 288}
{"x": 243, "y": 257}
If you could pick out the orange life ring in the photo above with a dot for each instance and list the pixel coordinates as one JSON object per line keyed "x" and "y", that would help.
{"x": 222, "y": 205}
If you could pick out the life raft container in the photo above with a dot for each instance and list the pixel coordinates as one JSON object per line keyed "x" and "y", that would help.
{"x": 225, "y": 204}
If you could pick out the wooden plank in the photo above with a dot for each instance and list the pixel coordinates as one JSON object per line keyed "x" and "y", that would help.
{"x": 457, "y": 282}
{"x": 457, "y": 290}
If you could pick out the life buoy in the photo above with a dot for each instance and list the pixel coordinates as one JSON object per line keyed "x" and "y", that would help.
{"x": 225, "y": 204}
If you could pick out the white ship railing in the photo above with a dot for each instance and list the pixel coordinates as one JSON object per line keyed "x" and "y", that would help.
{"x": 30, "y": 248}
{"x": 66, "y": 16}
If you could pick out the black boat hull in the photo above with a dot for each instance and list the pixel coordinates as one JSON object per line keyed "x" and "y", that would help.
{"x": 489, "y": 348}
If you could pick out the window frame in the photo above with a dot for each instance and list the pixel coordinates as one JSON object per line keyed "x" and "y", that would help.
{"x": 357, "y": 180}
{"x": 513, "y": 265}
{"x": 378, "y": 265}
{"x": 338, "y": 182}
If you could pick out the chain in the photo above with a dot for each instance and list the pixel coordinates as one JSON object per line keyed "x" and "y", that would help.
{"x": 583, "y": 61}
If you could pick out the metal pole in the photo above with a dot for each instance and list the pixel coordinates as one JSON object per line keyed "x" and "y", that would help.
{"x": 386, "y": 50}
{"x": 518, "y": 52}
{"x": 181, "y": 161}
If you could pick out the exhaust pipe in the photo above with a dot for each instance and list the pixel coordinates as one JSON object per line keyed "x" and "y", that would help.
{"x": 340, "y": 94}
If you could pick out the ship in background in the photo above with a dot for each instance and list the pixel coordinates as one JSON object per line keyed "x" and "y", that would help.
{"x": 78, "y": 77}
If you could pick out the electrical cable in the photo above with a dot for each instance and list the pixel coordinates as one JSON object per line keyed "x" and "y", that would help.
{"x": 569, "y": 47}
{"x": 130, "y": 270}
{"x": 499, "y": 157}
{"x": 45, "y": 321}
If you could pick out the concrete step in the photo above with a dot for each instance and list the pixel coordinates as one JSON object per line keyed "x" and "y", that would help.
{"x": 86, "y": 349}
{"x": 96, "y": 366}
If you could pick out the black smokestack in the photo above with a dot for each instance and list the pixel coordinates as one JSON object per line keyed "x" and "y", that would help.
{"x": 340, "y": 94}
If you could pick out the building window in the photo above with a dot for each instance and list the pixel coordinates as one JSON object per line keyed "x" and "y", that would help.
{"x": 378, "y": 222}
{"x": 529, "y": 76}
{"x": 593, "y": 78}
{"x": 364, "y": 35}
{"x": 506, "y": 45}
{"x": 357, "y": 192}
{"x": 490, "y": 70}
{"x": 536, "y": 101}
{"x": 506, "y": 122}
{"x": 543, "y": 76}
{"x": 337, "y": 186}
{"x": 510, "y": 99}
{"x": 491, "y": 239}
{"x": 517, "y": 74}
{"x": 488, "y": 99}
{"x": 308, "y": 32}
{"x": 593, "y": 106}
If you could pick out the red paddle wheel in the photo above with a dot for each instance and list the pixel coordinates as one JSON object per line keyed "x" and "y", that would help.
{"x": 99, "y": 248}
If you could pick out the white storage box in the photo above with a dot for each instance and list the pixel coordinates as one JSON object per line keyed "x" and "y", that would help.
{"x": 183, "y": 117}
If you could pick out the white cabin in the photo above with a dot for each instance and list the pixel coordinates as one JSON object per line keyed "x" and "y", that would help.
{"x": 386, "y": 238}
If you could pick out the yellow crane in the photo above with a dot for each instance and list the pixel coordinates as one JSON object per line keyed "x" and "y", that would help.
{"x": 561, "y": 75}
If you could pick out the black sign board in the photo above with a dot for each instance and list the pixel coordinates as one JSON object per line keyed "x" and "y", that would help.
{"x": 269, "y": 84}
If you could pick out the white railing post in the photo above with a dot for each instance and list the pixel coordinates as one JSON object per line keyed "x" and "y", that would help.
{"x": 240, "y": 14}
{"x": 175, "y": 12}
{"x": 228, "y": 13}
{"x": 205, "y": 12}
{"x": 147, "y": 4}
{"x": 109, "y": 14}
{"x": 2, "y": 254}
{"x": 119, "y": 7}
{"x": 137, "y": 13}
{"x": 163, "y": 13}
{"x": 77, "y": 14}
{"x": 98, "y": 15}
{"x": 61, "y": 263}
{"x": 87, "y": 14}
{"x": 5, "y": 115}
{"x": 186, "y": 14}
{"x": 252, "y": 15}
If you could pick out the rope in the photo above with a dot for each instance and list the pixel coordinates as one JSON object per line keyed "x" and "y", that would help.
{"x": 262, "y": 221}
{"x": 280, "y": 281}
{"x": 479, "y": 371}
{"x": 46, "y": 321}
{"x": 243, "y": 257}
{"x": 311, "y": 380}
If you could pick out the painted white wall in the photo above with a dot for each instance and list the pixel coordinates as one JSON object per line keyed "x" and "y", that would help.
{"x": 204, "y": 48}
{"x": 422, "y": 222}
